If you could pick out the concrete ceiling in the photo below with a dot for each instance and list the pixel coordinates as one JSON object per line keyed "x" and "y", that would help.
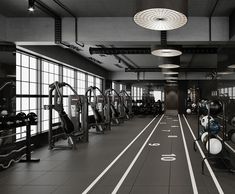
{"x": 117, "y": 29}
{"x": 110, "y": 8}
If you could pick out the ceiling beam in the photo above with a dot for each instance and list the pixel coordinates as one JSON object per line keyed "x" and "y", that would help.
{"x": 146, "y": 50}
{"x": 182, "y": 69}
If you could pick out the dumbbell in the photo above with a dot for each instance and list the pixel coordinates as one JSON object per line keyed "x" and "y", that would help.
{"x": 33, "y": 118}
{"x": 20, "y": 119}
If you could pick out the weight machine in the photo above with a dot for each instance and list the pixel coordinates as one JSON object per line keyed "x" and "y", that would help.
{"x": 69, "y": 128}
{"x": 126, "y": 100}
{"x": 116, "y": 108}
{"x": 99, "y": 108}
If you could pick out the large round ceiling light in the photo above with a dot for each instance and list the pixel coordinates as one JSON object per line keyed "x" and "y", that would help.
{"x": 168, "y": 66}
{"x": 171, "y": 78}
{"x": 165, "y": 52}
{"x": 161, "y": 14}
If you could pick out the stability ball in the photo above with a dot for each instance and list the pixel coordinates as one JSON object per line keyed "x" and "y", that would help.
{"x": 215, "y": 146}
{"x": 188, "y": 111}
{"x": 215, "y": 107}
{"x": 204, "y": 137}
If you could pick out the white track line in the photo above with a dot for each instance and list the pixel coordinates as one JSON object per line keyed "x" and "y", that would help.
{"x": 135, "y": 159}
{"x": 115, "y": 160}
{"x": 192, "y": 177}
{"x": 219, "y": 188}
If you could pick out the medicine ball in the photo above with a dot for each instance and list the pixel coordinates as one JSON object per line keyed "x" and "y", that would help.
{"x": 215, "y": 146}
{"x": 215, "y": 107}
{"x": 188, "y": 111}
{"x": 204, "y": 121}
{"x": 232, "y": 121}
{"x": 214, "y": 127}
{"x": 203, "y": 107}
{"x": 231, "y": 135}
{"x": 194, "y": 105}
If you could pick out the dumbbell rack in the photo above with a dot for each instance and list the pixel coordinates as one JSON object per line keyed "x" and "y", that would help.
{"x": 26, "y": 157}
{"x": 208, "y": 155}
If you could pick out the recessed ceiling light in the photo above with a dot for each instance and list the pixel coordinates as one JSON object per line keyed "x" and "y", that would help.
{"x": 167, "y": 52}
{"x": 232, "y": 66}
{"x": 168, "y": 66}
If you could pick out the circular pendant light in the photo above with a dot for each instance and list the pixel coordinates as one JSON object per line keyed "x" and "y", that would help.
{"x": 165, "y": 52}
{"x": 169, "y": 62}
{"x": 170, "y": 73}
{"x": 161, "y": 14}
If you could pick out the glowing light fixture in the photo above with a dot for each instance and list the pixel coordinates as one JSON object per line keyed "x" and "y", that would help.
{"x": 170, "y": 73}
{"x": 171, "y": 78}
{"x": 169, "y": 62}
{"x": 161, "y": 14}
{"x": 224, "y": 72}
{"x": 31, "y": 7}
{"x": 232, "y": 66}
{"x": 165, "y": 52}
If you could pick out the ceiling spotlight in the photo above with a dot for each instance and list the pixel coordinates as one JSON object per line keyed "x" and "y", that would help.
{"x": 161, "y": 14}
{"x": 232, "y": 66}
{"x": 165, "y": 52}
{"x": 31, "y": 7}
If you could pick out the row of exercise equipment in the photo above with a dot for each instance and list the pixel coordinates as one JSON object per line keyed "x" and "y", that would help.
{"x": 93, "y": 112}
{"x": 147, "y": 106}
{"x": 212, "y": 129}
{"x": 11, "y": 150}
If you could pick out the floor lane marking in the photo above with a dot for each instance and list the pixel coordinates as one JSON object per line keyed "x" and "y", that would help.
{"x": 135, "y": 159}
{"x": 172, "y": 136}
{"x": 116, "y": 159}
{"x": 219, "y": 188}
{"x": 192, "y": 177}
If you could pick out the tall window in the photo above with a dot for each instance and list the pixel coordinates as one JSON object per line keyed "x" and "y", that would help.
{"x": 33, "y": 77}
{"x": 81, "y": 83}
{"x": 49, "y": 74}
{"x": 26, "y": 89}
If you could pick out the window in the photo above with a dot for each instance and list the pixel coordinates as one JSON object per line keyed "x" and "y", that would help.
{"x": 81, "y": 83}
{"x": 26, "y": 89}
{"x": 33, "y": 77}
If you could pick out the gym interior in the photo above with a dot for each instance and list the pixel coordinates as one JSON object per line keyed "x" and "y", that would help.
{"x": 112, "y": 96}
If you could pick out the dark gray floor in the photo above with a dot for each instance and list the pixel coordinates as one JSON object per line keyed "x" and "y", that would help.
{"x": 71, "y": 171}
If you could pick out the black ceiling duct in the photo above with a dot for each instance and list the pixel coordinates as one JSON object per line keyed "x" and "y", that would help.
{"x": 147, "y": 50}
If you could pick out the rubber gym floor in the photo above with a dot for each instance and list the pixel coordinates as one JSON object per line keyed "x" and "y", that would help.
{"x": 143, "y": 155}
